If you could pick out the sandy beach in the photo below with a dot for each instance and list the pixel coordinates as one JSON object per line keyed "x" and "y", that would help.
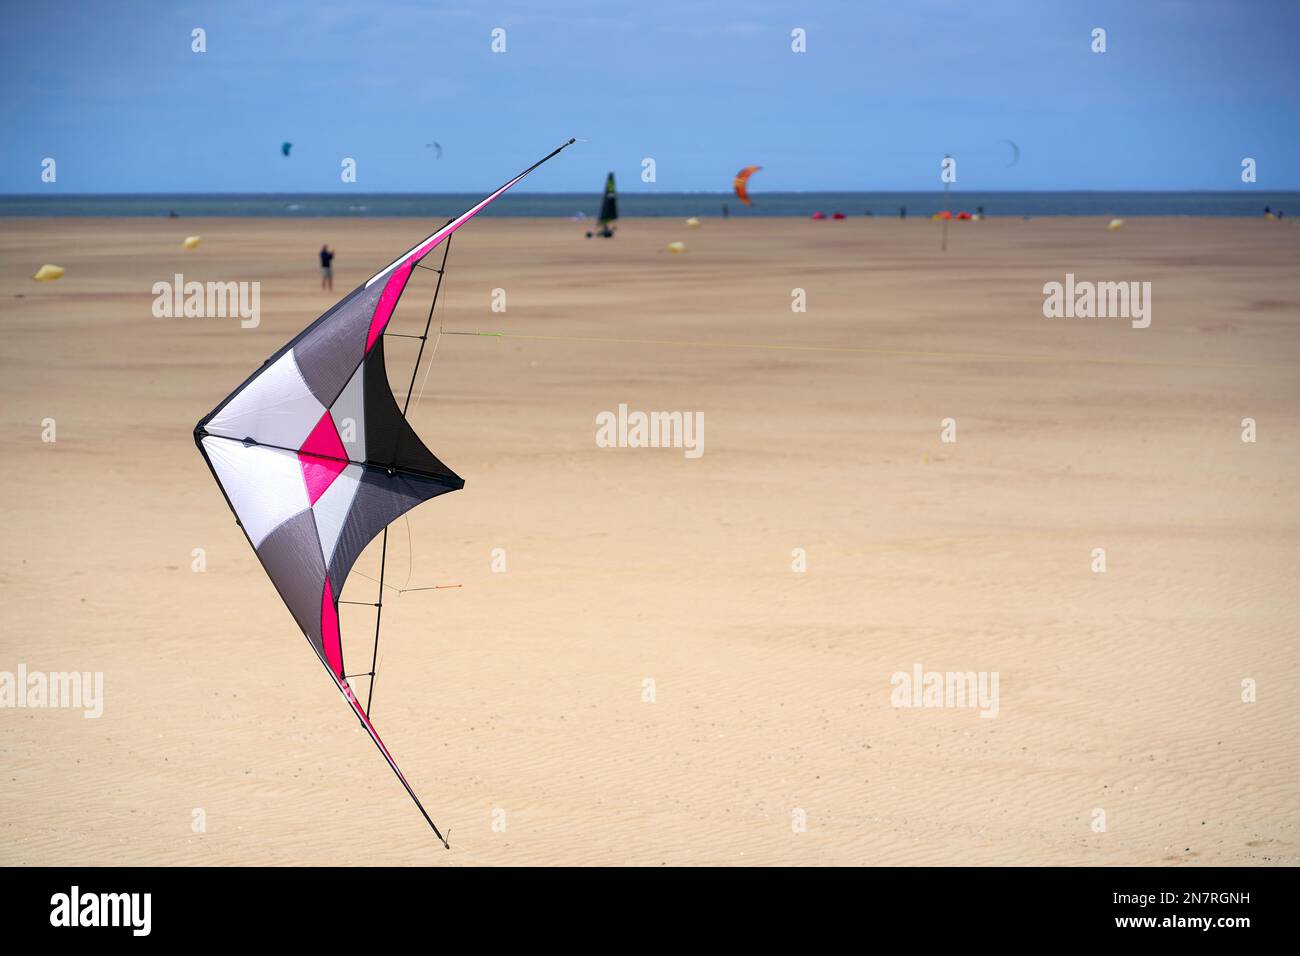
{"x": 517, "y": 704}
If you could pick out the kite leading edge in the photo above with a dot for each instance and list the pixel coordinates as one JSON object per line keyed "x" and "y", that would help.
{"x": 316, "y": 459}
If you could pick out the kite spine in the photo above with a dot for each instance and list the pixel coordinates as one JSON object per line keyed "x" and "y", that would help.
{"x": 383, "y": 553}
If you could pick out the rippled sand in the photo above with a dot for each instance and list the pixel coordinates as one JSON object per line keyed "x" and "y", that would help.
{"x": 516, "y": 702}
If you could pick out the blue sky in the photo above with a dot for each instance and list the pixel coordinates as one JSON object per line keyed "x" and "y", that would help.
{"x": 113, "y": 92}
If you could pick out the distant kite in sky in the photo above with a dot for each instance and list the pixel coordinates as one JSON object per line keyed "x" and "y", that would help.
{"x": 437, "y": 146}
{"x": 285, "y": 147}
{"x": 742, "y": 183}
{"x": 1015, "y": 152}
{"x": 315, "y": 458}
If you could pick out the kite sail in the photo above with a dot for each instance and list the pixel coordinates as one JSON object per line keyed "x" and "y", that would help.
{"x": 315, "y": 458}
{"x": 741, "y": 183}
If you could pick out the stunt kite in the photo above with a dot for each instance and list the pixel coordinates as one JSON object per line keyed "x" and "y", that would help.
{"x": 308, "y": 499}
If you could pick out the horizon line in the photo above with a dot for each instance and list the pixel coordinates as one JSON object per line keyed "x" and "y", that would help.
{"x": 647, "y": 193}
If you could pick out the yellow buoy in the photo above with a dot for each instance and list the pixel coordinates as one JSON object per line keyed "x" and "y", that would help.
{"x": 191, "y": 242}
{"x": 693, "y": 223}
{"x": 675, "y": 247}
{"x": 1116, "y": 224}
{"x": 48, "y": 273}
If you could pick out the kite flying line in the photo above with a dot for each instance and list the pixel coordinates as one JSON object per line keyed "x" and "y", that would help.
{"x": 867, "y": 350}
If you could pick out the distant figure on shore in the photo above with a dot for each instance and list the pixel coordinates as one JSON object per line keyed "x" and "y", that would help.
{"x": 726, "y": 213}
{"x": 902, "y": 212}
{"x": 327, "y": 267}
{"x": 171, "y": 214}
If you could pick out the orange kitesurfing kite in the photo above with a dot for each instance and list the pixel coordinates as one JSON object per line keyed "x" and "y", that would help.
{"x": 742, "y": 182}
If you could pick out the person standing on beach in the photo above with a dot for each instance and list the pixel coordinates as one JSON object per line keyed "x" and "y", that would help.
{"x": 327, "y": 267}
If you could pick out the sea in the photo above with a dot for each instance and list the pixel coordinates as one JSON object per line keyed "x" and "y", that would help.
{"x": 1240, "y": 202}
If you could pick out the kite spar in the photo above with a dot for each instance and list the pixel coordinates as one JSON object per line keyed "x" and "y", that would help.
{"x": 315, "y": 458}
